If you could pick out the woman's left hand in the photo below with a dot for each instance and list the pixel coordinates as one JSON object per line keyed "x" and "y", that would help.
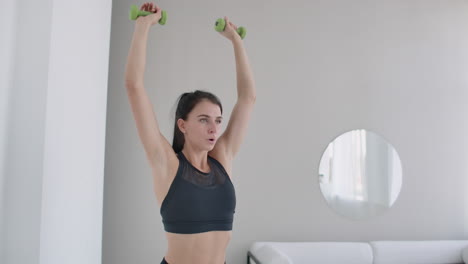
{"x": 230, "y": 31}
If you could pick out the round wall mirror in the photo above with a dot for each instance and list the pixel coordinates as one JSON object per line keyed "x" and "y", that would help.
{"x": 360, "y": 174}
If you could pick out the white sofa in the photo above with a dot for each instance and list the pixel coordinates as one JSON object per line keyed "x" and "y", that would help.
{"x": 373, "y": 252}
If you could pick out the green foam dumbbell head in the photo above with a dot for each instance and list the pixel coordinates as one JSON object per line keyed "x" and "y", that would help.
{"x": 242, "y": 32}
{"x": 220, "y": 25}
{"x": 135, "y": 13}
{"x": 163, "y": 19}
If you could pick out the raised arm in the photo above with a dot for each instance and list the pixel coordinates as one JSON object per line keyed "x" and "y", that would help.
{"x": 157, "y": 148}
{"x": 230, "y": 141}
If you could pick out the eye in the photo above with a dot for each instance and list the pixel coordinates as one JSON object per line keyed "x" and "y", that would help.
{"x": 203, "y": 120}
{"x": 218, "y": 121}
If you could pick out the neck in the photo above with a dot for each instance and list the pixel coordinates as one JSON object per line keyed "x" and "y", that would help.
{"x": 198, "y": 159}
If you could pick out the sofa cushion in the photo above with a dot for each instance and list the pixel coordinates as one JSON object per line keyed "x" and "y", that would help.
{"x": 316, "y": 252}
{"x": 419, "y": 252}
{"x": 465, "y": 255}
{"x": 269, "y": 254}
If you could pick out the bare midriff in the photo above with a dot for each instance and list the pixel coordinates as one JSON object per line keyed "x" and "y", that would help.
{"x": 200, "y": 248}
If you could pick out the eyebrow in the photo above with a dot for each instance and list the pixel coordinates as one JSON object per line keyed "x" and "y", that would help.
{"x": 209, "y": 116}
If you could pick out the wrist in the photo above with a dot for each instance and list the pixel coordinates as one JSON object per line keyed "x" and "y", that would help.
{"x": 237, "y": 40}
{"x": 142, "y": 25}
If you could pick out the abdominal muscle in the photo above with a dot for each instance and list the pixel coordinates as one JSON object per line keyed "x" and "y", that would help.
{"x": 201, "y": 248}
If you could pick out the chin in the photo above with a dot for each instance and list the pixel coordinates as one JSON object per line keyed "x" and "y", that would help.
{"x": 210, "y": 148}
{"x": 207, "y": 148}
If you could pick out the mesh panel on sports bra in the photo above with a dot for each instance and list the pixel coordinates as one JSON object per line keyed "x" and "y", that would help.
{"x": 209, "y": 180}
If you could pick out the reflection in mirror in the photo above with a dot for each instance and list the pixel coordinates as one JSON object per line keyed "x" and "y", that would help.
{"x": 360, "y": 174}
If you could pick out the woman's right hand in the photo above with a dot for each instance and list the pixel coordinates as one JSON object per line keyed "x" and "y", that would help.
{"x": 150, "y": 19}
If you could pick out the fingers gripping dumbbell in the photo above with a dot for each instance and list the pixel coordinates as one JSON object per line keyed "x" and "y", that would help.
{"x": 135, "y": 13}
{"x": 220, "y": 25}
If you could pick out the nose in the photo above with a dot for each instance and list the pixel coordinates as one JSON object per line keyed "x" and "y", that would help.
{"x": 213, "y": 129}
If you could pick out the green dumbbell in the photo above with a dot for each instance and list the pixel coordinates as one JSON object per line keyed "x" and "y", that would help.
{"x": 135, "y": 13}
{"x": 220, "y": 25}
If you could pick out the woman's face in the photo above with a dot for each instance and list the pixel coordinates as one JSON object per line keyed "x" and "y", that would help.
{"x": 203, "y": 125}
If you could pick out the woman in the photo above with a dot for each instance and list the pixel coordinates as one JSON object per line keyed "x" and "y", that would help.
{"x": 192, "y": 178}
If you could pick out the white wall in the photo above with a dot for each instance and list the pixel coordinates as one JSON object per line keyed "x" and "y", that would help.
{"x": 54, "y": 128}
{"x": 398, "y": 68}
{"x": 25, "y": 130}
{"x": 7, "y": 29}
{"x": 71, "y": 223}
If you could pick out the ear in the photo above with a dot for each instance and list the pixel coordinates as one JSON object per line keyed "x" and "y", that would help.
{"x": 181, "y": 125}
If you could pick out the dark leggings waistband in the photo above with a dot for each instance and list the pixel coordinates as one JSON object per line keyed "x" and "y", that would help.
{"x": 165, "y": 262}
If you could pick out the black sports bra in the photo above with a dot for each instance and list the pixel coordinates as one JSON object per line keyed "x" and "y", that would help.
{"x": 197, "y": 201}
